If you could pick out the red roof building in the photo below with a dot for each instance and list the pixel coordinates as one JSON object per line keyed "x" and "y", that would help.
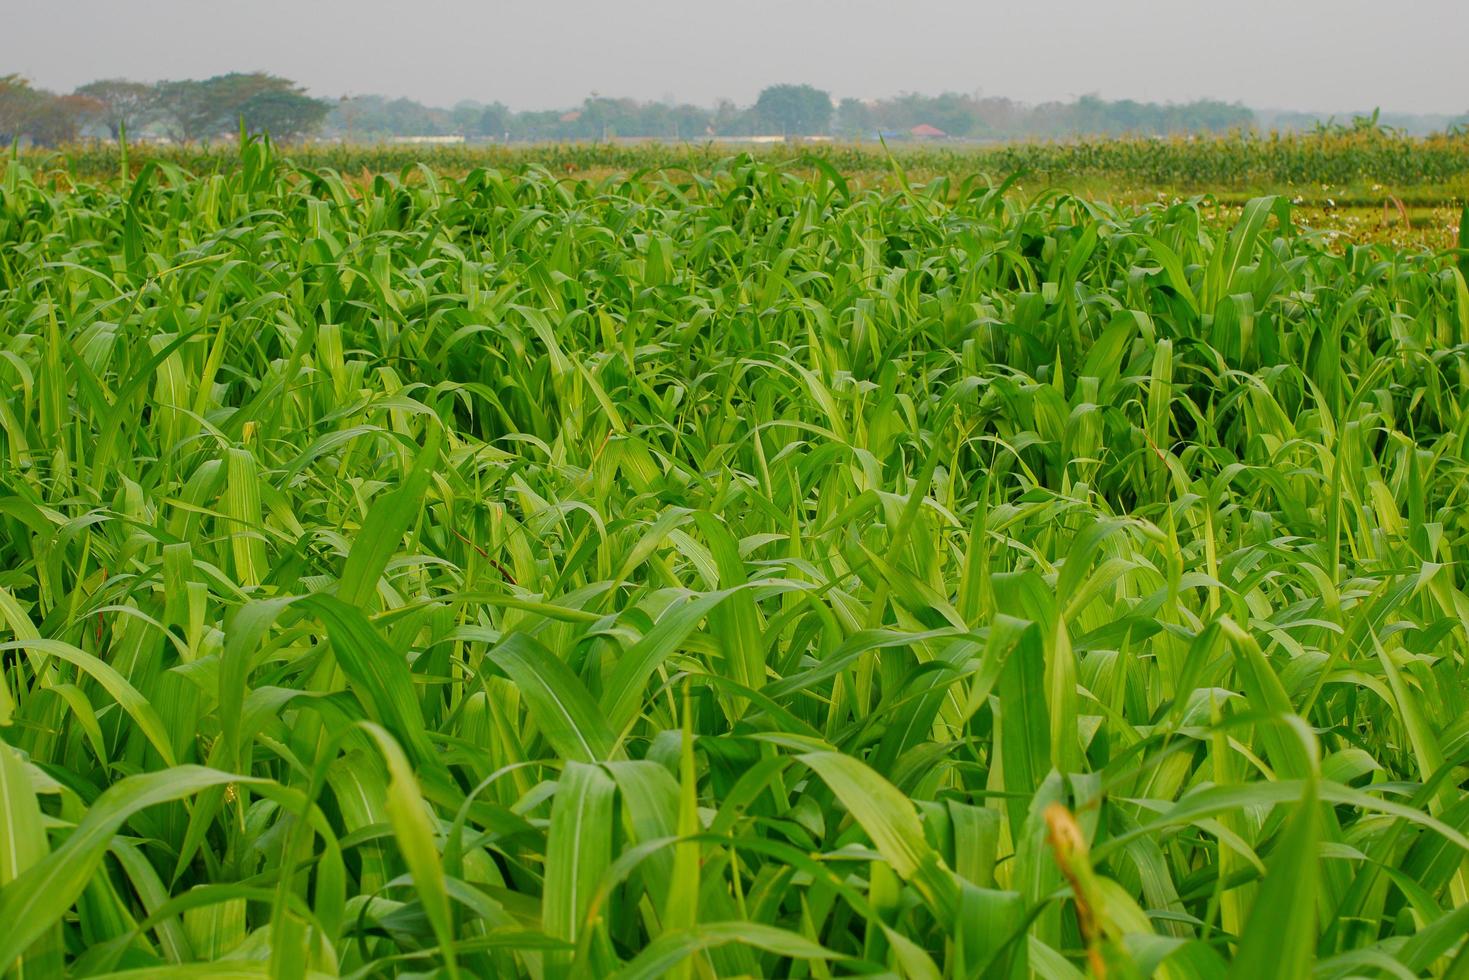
{"x": 924, "y": 131}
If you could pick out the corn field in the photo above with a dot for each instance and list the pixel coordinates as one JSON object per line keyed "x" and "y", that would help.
{"x": 722, "y": 572}
{"x": 1296, "y": 160}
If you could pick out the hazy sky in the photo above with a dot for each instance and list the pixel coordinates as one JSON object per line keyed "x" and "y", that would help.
{"x": 1407, "y": 55}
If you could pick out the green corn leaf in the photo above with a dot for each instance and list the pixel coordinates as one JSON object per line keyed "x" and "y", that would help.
{"x": 1280, "y": 934}
{"x": 669, "y": 950}
{"x": 559, "y": 702}
{"x": 578, "y": 848}
{"x": 378, "y": 675}
{"x": 414, "y": 833}
{"x": 889, "y": 819}
{"x": 41, "y": 894}
{"x": 387, "y": 520}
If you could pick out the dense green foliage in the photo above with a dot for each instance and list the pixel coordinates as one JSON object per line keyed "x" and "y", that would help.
{"x": 722, "y": 574}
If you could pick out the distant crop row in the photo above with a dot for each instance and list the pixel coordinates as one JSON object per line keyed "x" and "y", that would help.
{"x": 1328, "y": 157}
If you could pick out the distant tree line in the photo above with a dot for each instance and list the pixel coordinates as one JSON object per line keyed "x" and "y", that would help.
{"x": 184, "y": 111}
{"x": 782, "y": 110}
{"x": 797, "y": 110}
{"x": 973, "y": 117}
{"x": 43, "y": 117}
{"x": 189, "y": 111}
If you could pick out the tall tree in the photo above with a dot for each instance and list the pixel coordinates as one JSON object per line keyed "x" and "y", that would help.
{"x": 59, "y": 119}
{"x": 19, "y": 103}
{"x": 122, "y": 103}
{"x": 189, "y": 110}
{"x": 284, "y": 115}
{"x": 732, "y": 120}
{"x": 795, "y": 110}
{"x": 195, "y": 110}
{"x": 47, "y": 119}
{"x": 373, "y": 117}
{"x": 493, "y": 121}
{"x": 854, "y": 118}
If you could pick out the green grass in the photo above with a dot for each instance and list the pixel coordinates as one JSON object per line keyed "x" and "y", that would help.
{"x": 731, "y": 572}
